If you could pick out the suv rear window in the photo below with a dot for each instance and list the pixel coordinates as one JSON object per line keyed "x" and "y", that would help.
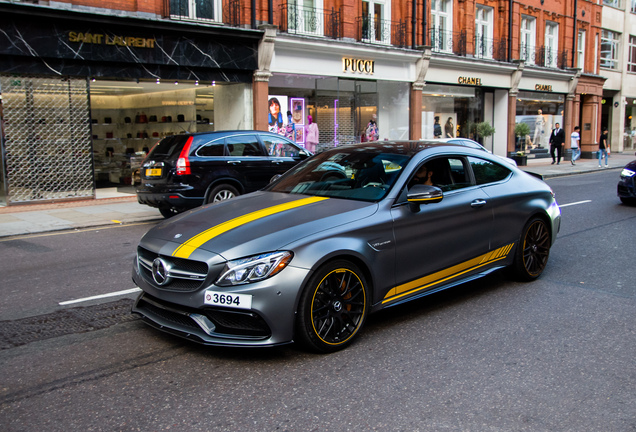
{"x": 168, "y": 147}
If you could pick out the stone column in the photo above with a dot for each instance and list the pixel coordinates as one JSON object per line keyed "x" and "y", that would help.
{"x": 260, "y": 81}
{"x": 415, "y": 97}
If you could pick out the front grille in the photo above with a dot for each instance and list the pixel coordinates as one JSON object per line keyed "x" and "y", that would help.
{"x": 241, "y": 324}
{"x": 185, "y": 275}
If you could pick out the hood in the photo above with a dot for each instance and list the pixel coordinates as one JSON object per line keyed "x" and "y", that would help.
{"x": 255, "y": 223}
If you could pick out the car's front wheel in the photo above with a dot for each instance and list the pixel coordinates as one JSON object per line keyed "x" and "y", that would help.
{"x": 628, "y": 201}
{"x": 533, "y": 250}
{"x": 221, "y": 193}
{"x": 333, "y": 307}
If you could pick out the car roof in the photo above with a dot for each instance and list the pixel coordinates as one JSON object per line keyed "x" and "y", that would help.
{"x": 410, "y": 148}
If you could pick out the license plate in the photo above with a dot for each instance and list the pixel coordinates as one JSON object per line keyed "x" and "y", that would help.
{"x": 153, "y": 172}
{"x": 239, "y": 301}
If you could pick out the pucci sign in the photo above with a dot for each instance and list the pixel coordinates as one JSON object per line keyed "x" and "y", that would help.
{"x": 353, "y": 65}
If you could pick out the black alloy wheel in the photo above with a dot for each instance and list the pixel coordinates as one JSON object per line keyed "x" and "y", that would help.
{"x": 531, "y": 256}
{"x": 333, "y": 307}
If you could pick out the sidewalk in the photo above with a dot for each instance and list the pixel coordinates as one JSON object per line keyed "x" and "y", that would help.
{"x": 111, "y": 207}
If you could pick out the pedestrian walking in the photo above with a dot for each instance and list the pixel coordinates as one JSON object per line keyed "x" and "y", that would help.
{"x": 603, "y": 148}
{"x": 557, "y": 138}
{"x": 575, "y": 139}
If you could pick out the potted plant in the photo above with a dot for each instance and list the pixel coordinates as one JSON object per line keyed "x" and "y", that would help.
{"x": 522, "y": 131}
{"x": 484, "y": 130}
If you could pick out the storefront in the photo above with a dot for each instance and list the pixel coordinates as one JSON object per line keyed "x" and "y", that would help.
{"x": 85, "y": 96}
{"x": 629, "y": 134}
{"x": 460, "y": 95}
{"x": 356, "y": 84}
{"x": 540, "y": 111}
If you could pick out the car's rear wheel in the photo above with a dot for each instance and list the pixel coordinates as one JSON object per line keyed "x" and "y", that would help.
{"x": 220, "y": 193}
{"x": 333, "y": 307}
{"x": 533, "y": 250}
{"x": 168, "y": 212}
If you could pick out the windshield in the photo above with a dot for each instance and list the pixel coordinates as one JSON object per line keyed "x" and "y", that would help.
{"x": 351, "y": 173}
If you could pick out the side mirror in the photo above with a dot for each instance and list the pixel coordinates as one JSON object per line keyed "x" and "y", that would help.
{"x": 423, "y": 194}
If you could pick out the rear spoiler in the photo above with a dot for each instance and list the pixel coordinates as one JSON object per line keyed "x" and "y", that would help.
{"x": 539, "y": 176}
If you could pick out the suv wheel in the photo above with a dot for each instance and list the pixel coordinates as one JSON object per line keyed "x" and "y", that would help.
{"x": 168, "y": 212}
{"x": 221, "y": 193}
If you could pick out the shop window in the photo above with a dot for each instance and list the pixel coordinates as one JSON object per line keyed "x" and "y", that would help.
{"x": 376, "y": 21}
{"x": 442, "y": 25}
{"x": 528, "y": 39}
{"x": 609, "y": 49}
{"x": 634, "y": 6}
{"x": 551, "y": 44}
{"x": 451, "y": 111}
{"x": 206, "y": 10}
{"x": 631, "y": 65}
{"x": 483, "y": 32}
{"x": 540, "y": 111}
{"x": 580, "y": 50}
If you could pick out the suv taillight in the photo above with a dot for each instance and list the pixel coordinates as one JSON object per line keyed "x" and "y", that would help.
{"x": 183, "y": 163}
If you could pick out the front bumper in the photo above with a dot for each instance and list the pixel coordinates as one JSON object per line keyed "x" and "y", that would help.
{"x": 269, "y": 322}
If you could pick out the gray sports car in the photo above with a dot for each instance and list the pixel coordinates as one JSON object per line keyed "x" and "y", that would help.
{"x": 345, "y": 233}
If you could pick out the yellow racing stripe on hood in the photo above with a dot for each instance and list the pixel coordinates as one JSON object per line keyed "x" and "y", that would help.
{"x": 188, "y": 247}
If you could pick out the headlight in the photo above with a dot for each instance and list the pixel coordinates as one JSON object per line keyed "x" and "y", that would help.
{"x": 627, "y": 173}
{"x": 254, "y": 268}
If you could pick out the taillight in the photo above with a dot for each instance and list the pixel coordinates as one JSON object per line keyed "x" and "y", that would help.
{"x": 183, "y": 163}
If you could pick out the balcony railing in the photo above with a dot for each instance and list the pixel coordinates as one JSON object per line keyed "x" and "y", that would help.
{"x": 381, "y": 31}
{"x": 450, "y": 42}
{"x": 495, "y": 49}
{"x": 310, "y": 21}
{"x": 232, "y": 13}
{"x": 542, "y": 56}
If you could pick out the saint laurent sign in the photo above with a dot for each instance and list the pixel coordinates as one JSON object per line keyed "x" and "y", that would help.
{"x": 105, "y": 39}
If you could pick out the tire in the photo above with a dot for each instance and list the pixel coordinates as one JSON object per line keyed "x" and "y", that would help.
{"x": 333, "y": 307}
{"x": 168, "y": 212}
{"x": 220, "y": 193}
{"x": 533, "y": 250}
{"x": 628, "y": 201}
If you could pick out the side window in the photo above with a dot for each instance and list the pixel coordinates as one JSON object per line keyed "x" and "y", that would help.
{"x": 243, "y": 145}
{"x": 212, "y": 149}
{"x": 487, "y": 172}
{"x": 447, "y": 173}
{"x": 279, "y": 147}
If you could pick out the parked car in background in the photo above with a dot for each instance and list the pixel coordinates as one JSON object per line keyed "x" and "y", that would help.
{"x": 348, "y": 232}
{"x": 626, "y": 188}
{"x": 187, "y": 170}
{"x": 474, "y": 144}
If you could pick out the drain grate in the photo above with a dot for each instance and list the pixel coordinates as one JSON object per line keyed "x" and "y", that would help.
{"x": 64, "y": 322}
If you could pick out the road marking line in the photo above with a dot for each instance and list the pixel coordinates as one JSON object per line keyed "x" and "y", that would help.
{"x": 97, "y": 297}
{"x": 575, "y": 203}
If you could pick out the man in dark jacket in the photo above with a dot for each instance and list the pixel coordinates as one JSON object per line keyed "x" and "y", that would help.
{"x": 557, "y": 138}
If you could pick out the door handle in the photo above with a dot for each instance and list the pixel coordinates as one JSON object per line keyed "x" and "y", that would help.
{"x": 277, "y": 162}
{"x": 478, "y": 203}
{"x": 234, "y": 162}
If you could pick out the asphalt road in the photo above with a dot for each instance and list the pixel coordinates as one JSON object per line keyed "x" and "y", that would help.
{"x": 492, "y": 355}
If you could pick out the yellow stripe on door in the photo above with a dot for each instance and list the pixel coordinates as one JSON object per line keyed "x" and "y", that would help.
{"x": 187, "y": 248}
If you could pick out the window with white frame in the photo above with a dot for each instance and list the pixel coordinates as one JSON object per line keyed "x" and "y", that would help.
{"x": 551, "y": 44}
{"x": 631, "y": 65}
{"x": 442, "y": 25}
{"x": 305, "y": 16}
{"x": 580, "y": 50}
{"x": 528, "y": 39}
{"x": 612, "y": 3}
{"x": 609, "y": 49}
{"x": 208, "y": 10}
{"x": 376, "y": 21}
{"x": 483, "y": 32}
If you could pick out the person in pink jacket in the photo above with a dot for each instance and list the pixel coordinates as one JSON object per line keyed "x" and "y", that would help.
{"x": 311, "y": 136}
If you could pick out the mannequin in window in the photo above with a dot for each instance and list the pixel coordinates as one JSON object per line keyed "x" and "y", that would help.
{"x": 312, "y": 135}
{"x": 539, "y": 126}
{"x": 449, "y": 128}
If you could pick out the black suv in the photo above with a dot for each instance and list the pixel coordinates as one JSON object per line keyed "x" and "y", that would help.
{"x": 187, "y": 170}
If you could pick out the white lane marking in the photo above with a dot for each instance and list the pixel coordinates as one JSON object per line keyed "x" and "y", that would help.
{"x": 97, "y": 297}
{"x": 575, "y": 203}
